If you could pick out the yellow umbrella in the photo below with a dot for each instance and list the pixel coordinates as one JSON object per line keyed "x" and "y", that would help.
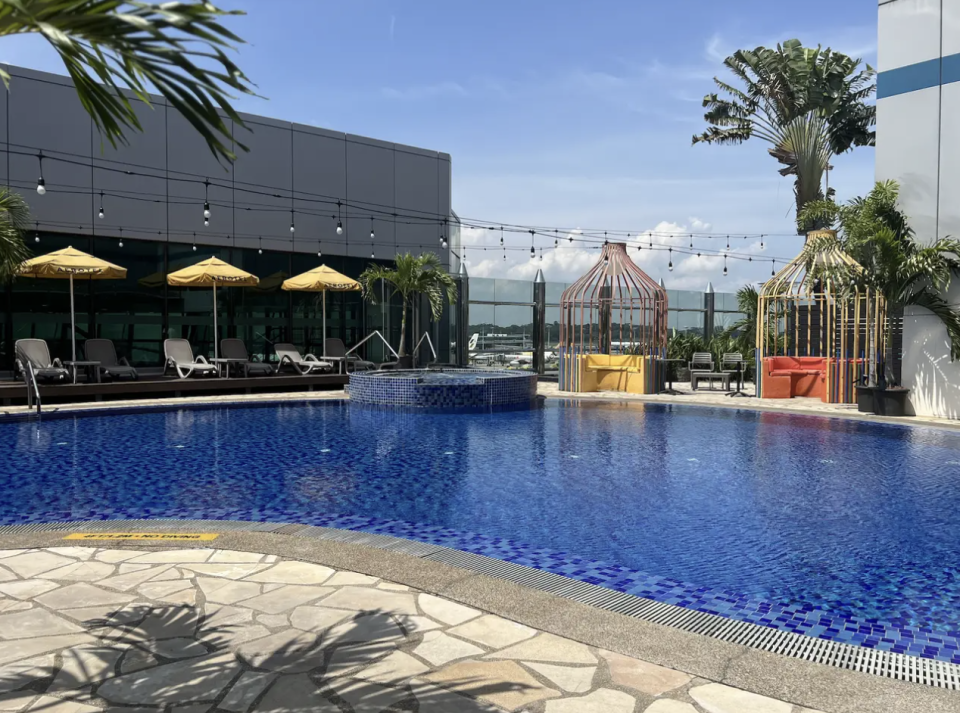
{"x": 322, "y": 279}
{"x": 212, "y": 272}
{"x": 71, "y": 264}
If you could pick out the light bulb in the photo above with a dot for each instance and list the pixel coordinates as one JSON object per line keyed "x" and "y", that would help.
{"x": 372, "y": 236}
{"x": 532, "y": 252}
{"x": 194, "y": 248}
{"x": 762, "y": 246}
{"x": 339, "y": 228}
{"x": 41, "y": 186}
{"x": 36, "y": 238}
{"x": 372, "y": 256}
{"x": 670, "y": 267}
{"x": 205, "y": 222}
{"x": 292, "y": 229}
{"x": 724, "y": 270}
{"x": 206, "y": 209}
{"x": 100, "y": 214}
{"x": 319, "y": 253}
{"x": 442, "y": 241}
{"x": 443, "y": 244}
{"x": 259, "y": 251}
{"x": 121, "y": 243}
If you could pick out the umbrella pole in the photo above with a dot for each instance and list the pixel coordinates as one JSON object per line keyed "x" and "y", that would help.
{"x": 323, "y": 337}
{"x": 215, "y": 355}
{"x": 73, "y": 324}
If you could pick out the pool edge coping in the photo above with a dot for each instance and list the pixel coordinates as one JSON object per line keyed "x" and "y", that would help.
{"x": 721, "y": 632}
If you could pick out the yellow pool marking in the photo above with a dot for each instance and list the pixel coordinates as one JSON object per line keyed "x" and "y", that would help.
{"x": 175, "y": 536}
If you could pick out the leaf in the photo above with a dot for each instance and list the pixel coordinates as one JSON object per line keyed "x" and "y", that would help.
{"x": 111, "y": 45}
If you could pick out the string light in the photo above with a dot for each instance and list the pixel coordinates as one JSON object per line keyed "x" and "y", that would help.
{"x": 762, "y": 246}
{"x": 372, "y": 236}
{"x": 36, "y": 237}
{"x": 293, "y": 228}
{"x": 691, "y": 241}
{"x": 650, "y": 238}
{"x": 194, "y": 242}
{"x": 728, "y": 243}
{"x": 532, "y": 252}
{"x": 443, "y": 239}
{"x": 339, "y": 221}
{"x": 670, "y": 264}
{"x": 605, "y": 241}
{"x": 121, "y": 237}
{"x": 206, "y": 201}
{"x": 100, "y": 214}
{"x": 724, "y": 265}
{"x": 41, "y": 184}
{"x": 319, "y": 251}
{"x": 372, "y": 256}
{"x": 773, "y": 268}
{"x": 259, "y": 245}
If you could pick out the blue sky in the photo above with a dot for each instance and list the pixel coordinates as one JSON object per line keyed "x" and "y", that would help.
{"x": 556, "y": 112}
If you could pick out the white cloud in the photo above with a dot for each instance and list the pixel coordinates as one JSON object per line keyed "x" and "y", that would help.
{"x": 485, "y": 257}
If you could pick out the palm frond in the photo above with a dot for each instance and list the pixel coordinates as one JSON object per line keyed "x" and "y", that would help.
{"x": 14, "y": 221}
{"x": 109, "y": 46}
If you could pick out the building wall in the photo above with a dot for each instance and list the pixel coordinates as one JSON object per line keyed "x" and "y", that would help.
{"x": 289, "y": 166}
{"x": 153, "y": 199}
{"x": 918, "y": 107}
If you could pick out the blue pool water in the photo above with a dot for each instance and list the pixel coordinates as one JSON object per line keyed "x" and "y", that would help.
{"x": 838, "y": 529}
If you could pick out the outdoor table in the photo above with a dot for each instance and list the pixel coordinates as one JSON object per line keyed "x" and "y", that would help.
{"x": 670, "y": 389}
{"x": 739, "y": 372}
{"x": 88, "y": 365}
{"x": 223, "y": 365}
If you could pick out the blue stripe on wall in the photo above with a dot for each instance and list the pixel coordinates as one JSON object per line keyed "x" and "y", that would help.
{"x": 950, "y": 69}
{"x": 911, "y": 78}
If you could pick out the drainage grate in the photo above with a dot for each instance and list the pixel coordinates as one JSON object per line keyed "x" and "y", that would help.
{"x": 912, "y": 669}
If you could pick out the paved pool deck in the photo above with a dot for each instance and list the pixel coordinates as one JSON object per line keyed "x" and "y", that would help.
{"x": 272, "y": 623}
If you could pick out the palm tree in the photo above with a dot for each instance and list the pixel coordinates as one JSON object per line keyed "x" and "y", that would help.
{"x": 107, "y": 45}
{"x": 410, "y": 276}
{"x": 14, "y": 220}
{"x": 809, "y": 104}
{"x": 875, "y": 233}
{"x": 746, "y": 328}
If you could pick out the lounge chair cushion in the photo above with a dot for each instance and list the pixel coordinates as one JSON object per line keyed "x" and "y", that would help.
{"x": 103, "y": 351}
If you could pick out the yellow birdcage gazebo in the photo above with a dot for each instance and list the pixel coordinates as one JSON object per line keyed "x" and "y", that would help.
{"x": 613, "y": 328}
{"x": 819, "y": 332}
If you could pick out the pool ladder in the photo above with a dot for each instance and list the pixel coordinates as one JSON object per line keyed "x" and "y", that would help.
{"x": 33, "y": 391}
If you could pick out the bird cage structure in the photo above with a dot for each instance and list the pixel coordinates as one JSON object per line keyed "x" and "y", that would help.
{"x": 613, "y": 328}
{"x": 818, "y": 335}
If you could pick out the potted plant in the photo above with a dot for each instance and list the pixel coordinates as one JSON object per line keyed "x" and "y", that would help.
{"x": 896, "y": 266}
{"x": 410, "y": 276}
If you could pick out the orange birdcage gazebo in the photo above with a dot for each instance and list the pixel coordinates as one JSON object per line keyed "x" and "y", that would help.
{"x": 613, "y": 328}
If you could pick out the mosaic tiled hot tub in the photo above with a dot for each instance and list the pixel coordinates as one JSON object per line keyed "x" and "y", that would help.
{"x": 444, "y": 388}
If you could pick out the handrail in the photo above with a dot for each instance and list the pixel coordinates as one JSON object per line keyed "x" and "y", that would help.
{"x": 374, "y": 333}
{"x": 427, "y": 337}
{"x": 31, "y": 378}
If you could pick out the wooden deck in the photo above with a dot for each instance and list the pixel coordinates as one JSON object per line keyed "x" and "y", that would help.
{"x": 15, "y": 392}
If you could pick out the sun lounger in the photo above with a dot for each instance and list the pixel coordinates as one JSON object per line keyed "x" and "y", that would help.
{"x": 336, "y": 351}
{"x": 236, "y": 349}
{"x": 289, "y": 355}
{"x": 35, "y": 352}
{"x": 179, "y": 354}
{"x": 103, "y": 351}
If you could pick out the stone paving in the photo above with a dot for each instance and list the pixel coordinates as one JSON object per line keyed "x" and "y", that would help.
{"x": 202, "y": 631}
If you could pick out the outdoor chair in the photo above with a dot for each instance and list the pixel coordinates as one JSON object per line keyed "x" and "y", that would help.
{"x": 289, "y": 355}
{"x": 336, "y": 351}
{"x": 236, "y": 349}
{"x": 701, "y": 362}
{"x": 179, "y": 354}
{"x": 36, "y": 353}
{"x": 732, "y": 358}
{"x": 103, "y": 351}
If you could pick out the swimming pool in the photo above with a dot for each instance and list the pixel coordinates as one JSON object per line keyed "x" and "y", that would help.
{"x": 831, "y": 528}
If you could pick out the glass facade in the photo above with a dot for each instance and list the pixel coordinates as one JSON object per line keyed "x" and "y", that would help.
{"x": 140, "y": 311}
{"x": 501, "y": 318}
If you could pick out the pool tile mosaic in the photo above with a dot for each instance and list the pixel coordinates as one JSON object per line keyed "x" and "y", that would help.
{"x": 443, "y": 388}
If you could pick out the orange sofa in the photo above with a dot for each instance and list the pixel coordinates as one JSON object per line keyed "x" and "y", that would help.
{"x": 785, "y": 377}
